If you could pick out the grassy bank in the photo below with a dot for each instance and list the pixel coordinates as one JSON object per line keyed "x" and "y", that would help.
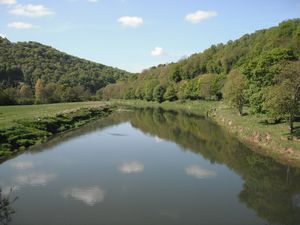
{"x": 24, "y": 126}
{"x": 268, "y": 139}
{"x": 9, "y": 115}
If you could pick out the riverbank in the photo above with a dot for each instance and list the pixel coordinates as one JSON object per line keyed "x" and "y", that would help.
{"x": 271, "y": 140}
{"x": 24, "y": 126}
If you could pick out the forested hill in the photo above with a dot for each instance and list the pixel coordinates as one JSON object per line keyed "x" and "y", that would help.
{"x": 202, "y": 76}
{"x": 26, "y": 62}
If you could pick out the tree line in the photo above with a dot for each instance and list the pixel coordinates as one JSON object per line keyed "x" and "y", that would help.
{"x": 64, "y": 78}
{"x": 260, "y": 70}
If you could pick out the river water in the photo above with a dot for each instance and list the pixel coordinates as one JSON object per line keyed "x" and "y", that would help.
{"x": 148, "y": 167}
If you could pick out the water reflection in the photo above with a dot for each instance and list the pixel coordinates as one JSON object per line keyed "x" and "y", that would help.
{"x": 34, "y": 178}
{"x": 198, "y": 172}
{"x": 6, "y": 209}
{"x": 296, "y": 200}
{"x": 269, "y": 188}
{"x": 131, "y": 167}
{"x": 118, "y": 134}
{"x": 22, "y": 165}
{"x": 8, "y": 189}
{"x": 88, "y": 195}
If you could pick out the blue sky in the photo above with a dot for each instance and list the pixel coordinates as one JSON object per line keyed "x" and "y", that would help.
{"x": 136, "y": 34}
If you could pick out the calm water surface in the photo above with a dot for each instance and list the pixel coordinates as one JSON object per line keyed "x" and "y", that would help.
{"x": 149, "y": 167}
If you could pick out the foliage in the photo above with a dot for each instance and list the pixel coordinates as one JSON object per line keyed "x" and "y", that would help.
{"x": 25, "y": 95}
{"x": 6, "y": 210}
{"x": 283, "y": 98}
{"x": 28, "y": 62}
{"x": 158, "y": 93}
{"x": 234, "y": 90}
{"x": 259, "y": 56}
{"x": 261, "y": 72}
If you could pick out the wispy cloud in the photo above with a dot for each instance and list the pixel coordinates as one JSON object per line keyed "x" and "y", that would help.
{"x": 131, "y": 21}
{"x": 31, "y": 10}
{"x": 132, "y": 167}
{"x": 199, "y": 16}
{"x": 157, "y": 51}
{"x": 8, "y": 2}
{"x": 21, "y": 25}
{"x": 93, "y": 1}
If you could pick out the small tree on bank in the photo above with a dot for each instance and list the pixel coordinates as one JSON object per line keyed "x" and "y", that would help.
{"x": 158, "y": 93}
{"x": 25, "y": 95}
{"x": 234, "y": 90}
{"x": 39, "y": 89}
{"x": 282, "y": 100}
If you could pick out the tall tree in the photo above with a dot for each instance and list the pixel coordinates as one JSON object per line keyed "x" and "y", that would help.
{"x": 282, "y": 100}
{"x": 234, "y": 90}
{"x": 39, "y": 91}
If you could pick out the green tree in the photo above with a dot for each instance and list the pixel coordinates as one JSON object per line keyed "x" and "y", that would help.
{"x": 158, "y": 93}
{"x": 51, "y": 93}
{"x": 149, "y": 88}
{"x": 176, "y": 74}
{"x": 234, "y": 90}
{"x": 25, "y": 95}
{"x": 170, "y": 94}
{"x": 261, "y": 72}
{"x": 282, "y": 100}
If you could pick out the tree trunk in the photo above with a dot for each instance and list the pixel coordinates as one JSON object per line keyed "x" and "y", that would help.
{"x": 240, "y": 110}
{"x": 291, "y": 124}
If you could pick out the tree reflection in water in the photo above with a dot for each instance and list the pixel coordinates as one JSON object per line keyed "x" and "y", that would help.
{"x": 270, "y": 188}
{"x": 6, "y": 210}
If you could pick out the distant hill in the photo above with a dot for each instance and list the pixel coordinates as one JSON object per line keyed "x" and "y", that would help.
{"x": 202, "y": 75}
{"x": 26, "y": 62}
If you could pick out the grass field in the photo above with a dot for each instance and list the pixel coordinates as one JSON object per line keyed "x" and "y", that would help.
{"x": 24, "y": 126}
{"x": 10, "y": 114}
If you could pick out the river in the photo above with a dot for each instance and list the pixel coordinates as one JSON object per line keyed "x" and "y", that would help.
{"x": 147, "y": 167}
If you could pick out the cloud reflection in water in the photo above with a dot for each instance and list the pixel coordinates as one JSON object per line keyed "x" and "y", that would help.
{"x": 88, "y": 195}
{"x": 198, "y": 172}
{"x": 34, "y": 178}
{"x": 131, "y": 167}
{"x": 22, "y": 165}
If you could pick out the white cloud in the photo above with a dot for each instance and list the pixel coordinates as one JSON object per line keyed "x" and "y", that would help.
{"x": 8, "y": 2}
{"x": 157, "y": 51}
{"x": 31, "y": 10}
{"x": 88, "y": 195}
{"x": 21, "y": 25}
{"x": 34, "y": 178}
{"x": 199, "y": 16}
{"x": 131, "y": 21}
{"x": 131, "y": 167}
{"x": 22, "y": 165}
{"x": 93, "y": 1}
{"x": 198, "y": 172}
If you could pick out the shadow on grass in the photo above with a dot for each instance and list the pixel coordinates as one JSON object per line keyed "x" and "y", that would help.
{"x": 271, "y": 122}
{"x": 296, "y": 132}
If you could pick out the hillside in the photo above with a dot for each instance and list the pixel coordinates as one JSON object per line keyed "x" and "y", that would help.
{"x": 26, "y": 62}
{"x": 202, "y": 75}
